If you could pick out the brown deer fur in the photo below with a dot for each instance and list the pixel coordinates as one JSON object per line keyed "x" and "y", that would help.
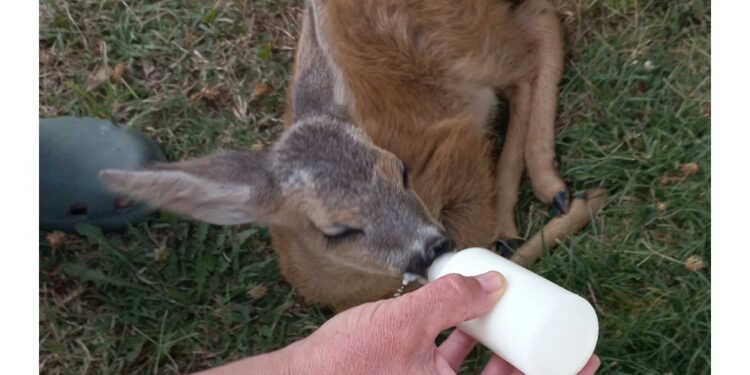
{"x": 379, "y": 85}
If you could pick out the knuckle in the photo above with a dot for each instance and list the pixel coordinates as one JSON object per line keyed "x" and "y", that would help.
{"x": 455, "y": 284}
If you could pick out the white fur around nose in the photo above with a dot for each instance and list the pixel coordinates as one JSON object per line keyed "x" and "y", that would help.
{"x": 423, "y": 234}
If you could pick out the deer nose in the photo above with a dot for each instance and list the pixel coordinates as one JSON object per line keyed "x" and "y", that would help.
{"x": 435, "y": 247}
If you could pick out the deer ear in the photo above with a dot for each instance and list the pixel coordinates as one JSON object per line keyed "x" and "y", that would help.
{"x": 225, "y": 189}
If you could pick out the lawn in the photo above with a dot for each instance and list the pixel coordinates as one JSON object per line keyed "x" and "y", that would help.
{"x": 174, "y": 296}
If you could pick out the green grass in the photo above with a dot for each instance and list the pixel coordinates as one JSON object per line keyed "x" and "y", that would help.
{"x": 172, "y": 295}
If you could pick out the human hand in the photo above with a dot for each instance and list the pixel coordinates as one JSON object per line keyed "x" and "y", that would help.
{"x": 397, "y": 336}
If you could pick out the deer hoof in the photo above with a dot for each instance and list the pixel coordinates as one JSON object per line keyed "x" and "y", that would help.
{"x": 506, "y": 248}
{"x": 561, "y": 202}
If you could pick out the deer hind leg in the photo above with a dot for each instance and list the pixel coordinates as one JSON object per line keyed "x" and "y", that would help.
{"x": 584, "y": 207}
{"x": 539, "y": 148}
{"x": 510, "y": 165}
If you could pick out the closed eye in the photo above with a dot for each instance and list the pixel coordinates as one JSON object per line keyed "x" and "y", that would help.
{"x": 343, "y": 234}
{"x": 405, "y": 175}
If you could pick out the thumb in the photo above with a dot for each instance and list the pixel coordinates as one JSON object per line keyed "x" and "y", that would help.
{"x": 454, "y": 299}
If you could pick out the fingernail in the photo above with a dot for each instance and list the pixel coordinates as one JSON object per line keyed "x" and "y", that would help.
{"x": 491, "y": 281}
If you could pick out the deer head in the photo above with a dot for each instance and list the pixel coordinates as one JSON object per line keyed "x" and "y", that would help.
{"x": 324, "y": 179}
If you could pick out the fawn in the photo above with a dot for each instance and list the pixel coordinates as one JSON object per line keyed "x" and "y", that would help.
{"x": 386, "y": 159}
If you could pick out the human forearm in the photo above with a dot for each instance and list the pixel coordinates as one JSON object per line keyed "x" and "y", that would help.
{"x": 288, "y": 360}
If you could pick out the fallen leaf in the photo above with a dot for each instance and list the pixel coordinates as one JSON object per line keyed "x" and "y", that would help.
{"x": 668, "y": 180}
{"x": 100, "y": 75}
{"x": 59, "y": 282}
{"x": 45, "y": 57}
{"x": 625, "y": 199}
{"x": 661, "y": 206}
{"x": 120, "y": 72}
{"x": 56, "y": 239}
{"x": 211, "y": 93}
{"x": 191, "y": 37}
{"x": 666, "y": 237}
{"x": 694, "y": 263}
{"x": 689, "y": 169}
{"x": 261, "y": 89}
{"x": 149, "y": 71}
{"x": 257, "y": 292}
{"x": 217, "y": 96}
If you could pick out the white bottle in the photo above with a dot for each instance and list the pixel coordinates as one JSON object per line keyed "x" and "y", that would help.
{"x": 538, "y": 327}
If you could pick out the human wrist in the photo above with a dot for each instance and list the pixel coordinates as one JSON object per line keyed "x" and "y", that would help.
{"x": 293, "y": 359}
{"x": 296, "y": 358}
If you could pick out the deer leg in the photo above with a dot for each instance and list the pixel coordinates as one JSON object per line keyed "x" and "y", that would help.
{"x": 510, "y": 166}
{"x": 582, "y": 209}
{"x": 540, "y": 140}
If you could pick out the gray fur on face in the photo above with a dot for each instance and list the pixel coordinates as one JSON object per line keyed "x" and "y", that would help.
{"x": 333, "y": 162}
{"x": 330, "y": 154}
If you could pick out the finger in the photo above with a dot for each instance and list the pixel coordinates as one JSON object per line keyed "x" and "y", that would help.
{"x": 591, "y": 366}
{"x": 499, "y": 366}
{"x": 456, "y": 347}
{"x": 453, "y": 299}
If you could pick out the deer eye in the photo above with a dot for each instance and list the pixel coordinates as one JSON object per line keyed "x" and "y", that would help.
{"x": 342, "y": 233}
{"x": 405, "y": 174}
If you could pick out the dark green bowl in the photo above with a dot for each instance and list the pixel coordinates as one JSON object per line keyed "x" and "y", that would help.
{"x": 72, "y": 151}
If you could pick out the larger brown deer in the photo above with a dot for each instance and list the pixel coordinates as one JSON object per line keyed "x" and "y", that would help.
{"x": 386, "y": 158}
